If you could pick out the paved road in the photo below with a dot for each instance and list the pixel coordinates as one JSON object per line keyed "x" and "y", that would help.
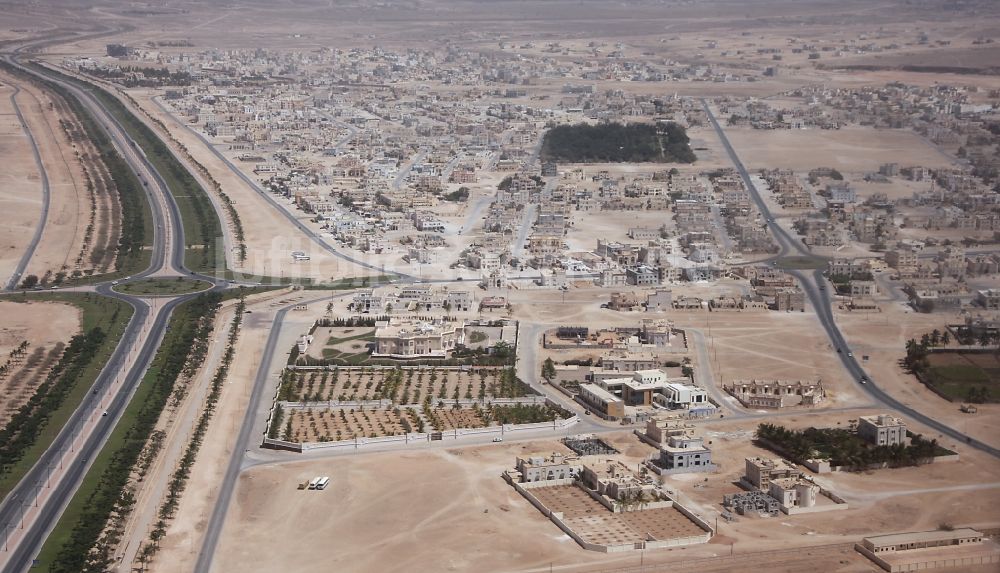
{"x": 820, "y": 301}
{"x": 246, "y": 439}
{"x": 527, "y": 222}
{"x": 43, "y": 217}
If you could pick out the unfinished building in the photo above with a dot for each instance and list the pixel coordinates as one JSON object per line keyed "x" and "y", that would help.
{"x": 776, "y": 393}
{"x": 750, "y": 502}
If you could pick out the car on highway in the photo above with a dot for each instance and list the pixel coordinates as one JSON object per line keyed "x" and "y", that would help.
{"x": 850, "y": 355}
{"x": 863, "y": 380}
{"x": 498, "y": 439}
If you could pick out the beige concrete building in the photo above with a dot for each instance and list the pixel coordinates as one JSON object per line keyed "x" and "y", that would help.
{"x": 776, "y": 393}
{"x": 541, "y": 468}
{"x": 414, "y": 339}
{"x": 882, "y": 430}
{"x": 760, "y": 472}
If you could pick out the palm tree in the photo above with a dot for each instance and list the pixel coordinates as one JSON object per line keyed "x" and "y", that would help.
{"x": 984, "y": 339}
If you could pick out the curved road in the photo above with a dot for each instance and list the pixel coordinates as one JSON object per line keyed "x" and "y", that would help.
{"x": 43, "y": 217}
{"x": 821, "y": 303}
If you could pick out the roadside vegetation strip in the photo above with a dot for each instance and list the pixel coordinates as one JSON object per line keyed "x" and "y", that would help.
{"x": 36, "y": 424}
{"x": 136, "y": 232}
{"x": 202, "y": 227}
{"x": 179, "y": 479}
{"x": 234, "y": 215}
{"x": 76, "y": 544}
{"x": 88, "y": 530}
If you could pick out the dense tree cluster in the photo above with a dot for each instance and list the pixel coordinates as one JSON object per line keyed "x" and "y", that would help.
{"x": 134, "y": 76}
{"x": 618, "y": 143}
{"x": 843, "y": 447}
{"x": 522, "y": 413}
{"x": 461, "y": 194}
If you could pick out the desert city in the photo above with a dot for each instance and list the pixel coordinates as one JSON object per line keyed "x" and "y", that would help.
{"x": 515, "y": 286}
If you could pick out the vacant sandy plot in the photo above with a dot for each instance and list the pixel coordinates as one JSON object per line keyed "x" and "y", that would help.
{"x": 595, "y": 524}
{"x": 46, "y": 327}
{"x": 852, "y": 149}
{"x": 447, "y": 509}
{"x": 69, "y": 207}
{"x": 772, "y": 345}
{"x": 588, "y": 227}
{"x": 903, "y": 499}
{"x": 21, "y": 200}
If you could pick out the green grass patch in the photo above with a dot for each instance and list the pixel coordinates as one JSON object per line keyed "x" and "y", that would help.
{"x": 368, "y": 336}
{"x": 111, "y": 317}
{"x": 162, "y": 287}
{"x": 964, "y": 377}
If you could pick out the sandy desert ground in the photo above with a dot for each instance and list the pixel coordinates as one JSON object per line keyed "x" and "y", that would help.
{"x": 69, "y": 208}
{"x": 446, "y": 509}
{"x": 850, "y": 149}
{"x": 21, "y": 201}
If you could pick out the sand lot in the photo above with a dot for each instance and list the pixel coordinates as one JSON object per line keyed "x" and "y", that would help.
{"x": 772, "y": 345}
{"x": 69, "y": 207}
{"x": 63, "y": 229}
{"x": 851, "y": 149}
{"x": 448, "y": 510}
{"x": 44, "y": 325}
{"x": 21, "y": 200}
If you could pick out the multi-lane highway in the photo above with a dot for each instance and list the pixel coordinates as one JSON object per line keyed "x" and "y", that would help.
{"x": 33, "y": 507}
{"x": 821, "y": 302}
